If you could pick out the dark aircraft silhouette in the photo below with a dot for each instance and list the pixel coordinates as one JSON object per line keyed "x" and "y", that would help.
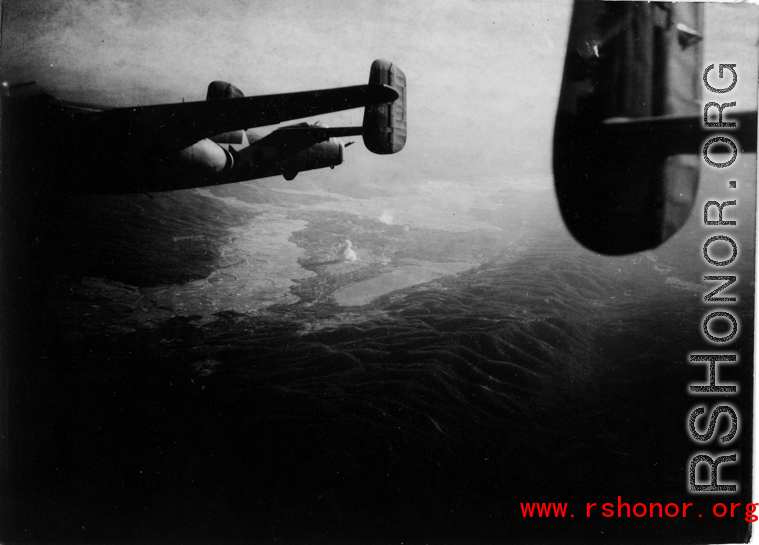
{"x": 629, "y": 126}
{"x": 627, "y": 135}
{"x": 179, "y": 146}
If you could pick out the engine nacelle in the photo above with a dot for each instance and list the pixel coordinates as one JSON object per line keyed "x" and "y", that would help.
{"x": 324, "y": 154}
{"x": 204, "y": 157}
{"x": 203, "y": 163}
{"x": 220, "y": 90}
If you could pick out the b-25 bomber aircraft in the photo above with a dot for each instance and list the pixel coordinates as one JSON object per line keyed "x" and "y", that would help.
{"x": 185, "y": 145}
{"x": 628, "y": 133}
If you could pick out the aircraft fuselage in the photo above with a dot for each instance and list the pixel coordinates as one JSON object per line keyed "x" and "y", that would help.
{"x": 77, "y": 163}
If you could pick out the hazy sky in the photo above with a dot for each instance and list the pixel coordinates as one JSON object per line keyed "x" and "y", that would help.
{"x": 483, "y": 76}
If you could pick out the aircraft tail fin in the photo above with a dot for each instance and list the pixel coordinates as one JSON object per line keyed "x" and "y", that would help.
{"x": 626, "y": 142}
{"x": 384, "y": 127}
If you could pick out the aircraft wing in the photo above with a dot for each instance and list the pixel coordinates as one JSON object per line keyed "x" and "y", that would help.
{"x": 171, "y": 127}
{"x": 174, "y": 146}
